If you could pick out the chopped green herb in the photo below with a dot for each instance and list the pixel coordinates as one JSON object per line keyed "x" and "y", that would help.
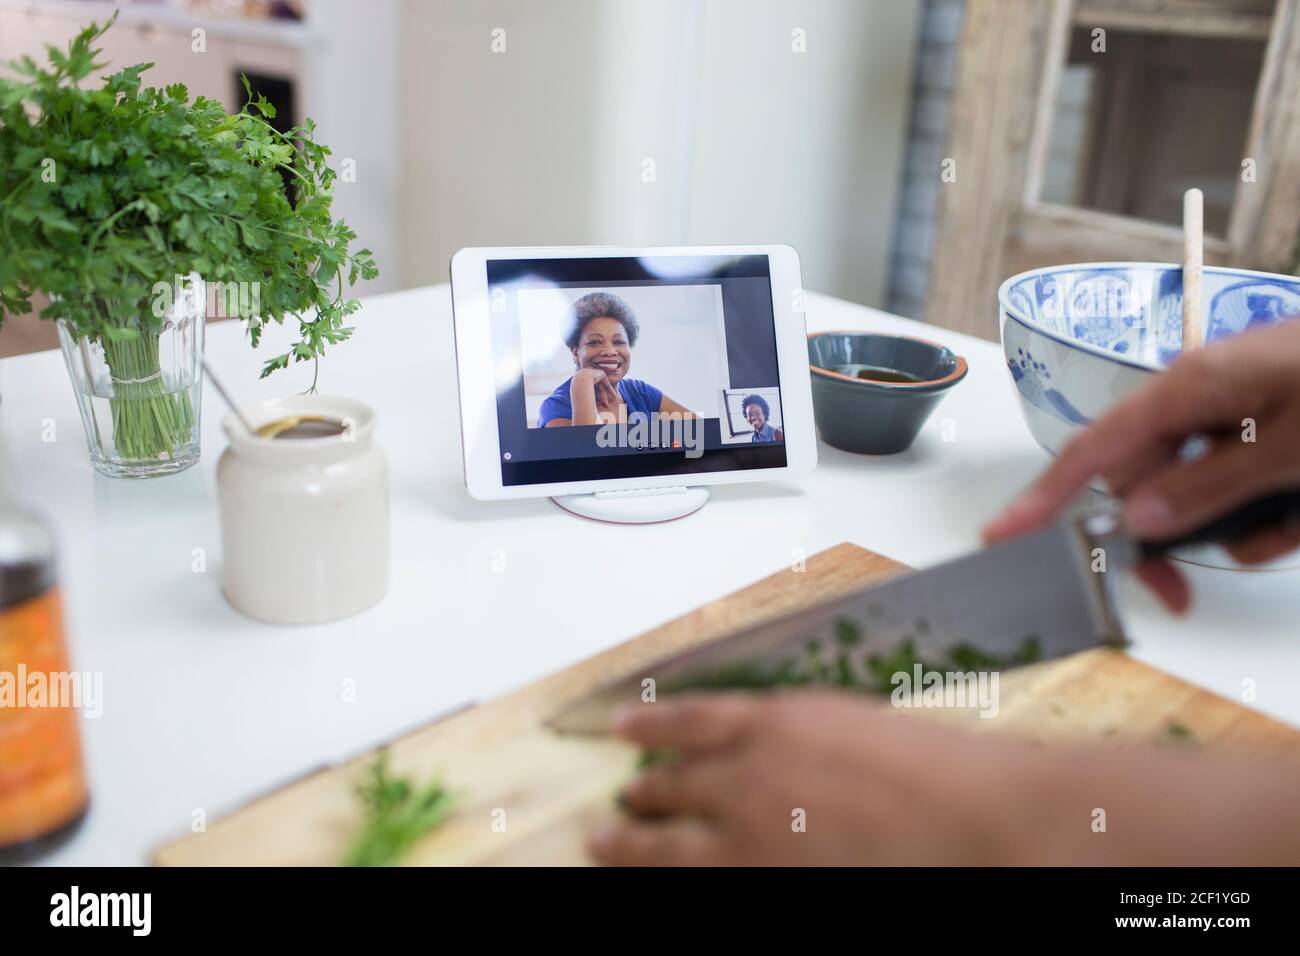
{"x": 846, "y": 676}
{"x": 650, "y": 757}
{"x": 847, "y": 633}
{"x": 868, "y": 673}
{"x": 744, "y": 677}
{"x": 1180, "y": 734}
{"x": 656, "y": 757}
{"x": 397, "y": 816}
{"x": 967, "y": 657}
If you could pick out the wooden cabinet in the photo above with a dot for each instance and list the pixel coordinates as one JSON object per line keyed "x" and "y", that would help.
{"x": 1077, "y": 124}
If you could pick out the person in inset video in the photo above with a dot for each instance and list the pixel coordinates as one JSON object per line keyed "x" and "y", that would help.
{"x": 601, "y": 337}
{"x": 757, "y": 414}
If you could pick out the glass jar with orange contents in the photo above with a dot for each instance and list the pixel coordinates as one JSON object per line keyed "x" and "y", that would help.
{"x": 43, "y": 791}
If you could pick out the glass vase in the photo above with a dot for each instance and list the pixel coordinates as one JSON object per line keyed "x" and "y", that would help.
{"x": 139, "y": 390}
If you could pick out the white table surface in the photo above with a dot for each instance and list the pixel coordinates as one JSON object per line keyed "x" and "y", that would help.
{"x": 204, "y": 708}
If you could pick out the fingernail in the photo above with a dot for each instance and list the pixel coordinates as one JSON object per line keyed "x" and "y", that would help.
{"x": 1147, "y": 513}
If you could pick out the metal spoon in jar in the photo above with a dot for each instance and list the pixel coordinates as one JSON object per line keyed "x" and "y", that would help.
{"x": 225, "y": 397}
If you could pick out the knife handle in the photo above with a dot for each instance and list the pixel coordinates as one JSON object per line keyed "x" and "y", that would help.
{"x": 1281, "y": 510}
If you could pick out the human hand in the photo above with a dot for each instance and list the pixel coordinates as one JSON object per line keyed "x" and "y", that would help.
{"x": 879, "y": 787}
{"x": 587, "y": 378}
{"x": 594, "y": 398}
{"x": 1243, "y": 395}
{"x": 607, "y": 396}
{"x": 872, "y": 786}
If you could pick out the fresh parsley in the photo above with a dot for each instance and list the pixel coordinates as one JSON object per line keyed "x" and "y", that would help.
{"x": 105, "y": 192}
{"x": 397, "y": 813}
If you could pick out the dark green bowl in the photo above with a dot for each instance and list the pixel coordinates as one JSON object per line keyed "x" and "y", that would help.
{"x": 877, "y": 417}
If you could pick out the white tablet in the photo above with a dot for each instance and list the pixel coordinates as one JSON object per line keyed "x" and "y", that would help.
{"x": 604, "y": 369}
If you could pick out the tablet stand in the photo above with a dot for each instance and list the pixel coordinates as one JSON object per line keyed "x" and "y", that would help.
{"x": 636, "y": 506}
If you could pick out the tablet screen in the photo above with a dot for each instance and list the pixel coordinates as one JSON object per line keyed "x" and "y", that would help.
{"x": 634, "y": 366}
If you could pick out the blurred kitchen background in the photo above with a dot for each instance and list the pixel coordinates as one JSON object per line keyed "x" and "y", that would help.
{"x": 915, "y": 152}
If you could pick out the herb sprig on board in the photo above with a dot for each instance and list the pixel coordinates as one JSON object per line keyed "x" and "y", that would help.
{"x": 398, "y": 815}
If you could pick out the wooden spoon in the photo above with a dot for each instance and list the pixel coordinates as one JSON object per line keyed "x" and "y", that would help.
{"x": 1193, "y": 252}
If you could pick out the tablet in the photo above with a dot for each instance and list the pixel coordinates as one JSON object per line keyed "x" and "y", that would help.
{"x": 604, "y": 369}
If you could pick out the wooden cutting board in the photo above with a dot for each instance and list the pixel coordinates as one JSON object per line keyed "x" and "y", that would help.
{"x": 550, "y": 791}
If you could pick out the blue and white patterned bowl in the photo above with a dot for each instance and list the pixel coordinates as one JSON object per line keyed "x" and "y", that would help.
{"x": 1078, "y": 338}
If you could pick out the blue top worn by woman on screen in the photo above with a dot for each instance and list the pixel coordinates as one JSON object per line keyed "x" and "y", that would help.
{"x": 637, "y": 395}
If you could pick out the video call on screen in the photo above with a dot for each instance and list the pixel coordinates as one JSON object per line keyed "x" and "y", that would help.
{"x": 632, "y": 367}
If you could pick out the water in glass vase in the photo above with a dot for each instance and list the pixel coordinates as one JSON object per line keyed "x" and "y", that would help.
{"x": 139, "y": 396}
{"x": 144, "y": 429}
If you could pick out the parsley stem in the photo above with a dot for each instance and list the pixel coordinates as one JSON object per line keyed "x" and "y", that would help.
{"x": 152, "y": 415}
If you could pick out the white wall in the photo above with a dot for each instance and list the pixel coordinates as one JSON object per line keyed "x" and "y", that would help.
{"x": 548, "y": 141}
{"x": 498, "y": 148}
{"x": 805, "y": 148}
{"x": 352, "y": 90}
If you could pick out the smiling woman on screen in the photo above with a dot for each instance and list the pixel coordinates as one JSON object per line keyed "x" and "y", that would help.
{"x": 757, "y": 414}
{"x": 601, "y": 338}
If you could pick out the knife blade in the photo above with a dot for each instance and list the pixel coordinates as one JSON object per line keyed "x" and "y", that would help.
{"x": 1041, "y": 596}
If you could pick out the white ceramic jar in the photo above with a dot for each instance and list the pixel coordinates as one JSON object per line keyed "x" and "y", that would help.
{"x": 304, "y": 521}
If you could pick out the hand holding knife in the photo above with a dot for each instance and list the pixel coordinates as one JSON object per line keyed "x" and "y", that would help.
{"x": 1044, "y": 581}
{"x": 1241, "y": 398}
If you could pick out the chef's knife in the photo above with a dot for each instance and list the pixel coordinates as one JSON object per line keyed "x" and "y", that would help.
{"x": 1041, "y": 596}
